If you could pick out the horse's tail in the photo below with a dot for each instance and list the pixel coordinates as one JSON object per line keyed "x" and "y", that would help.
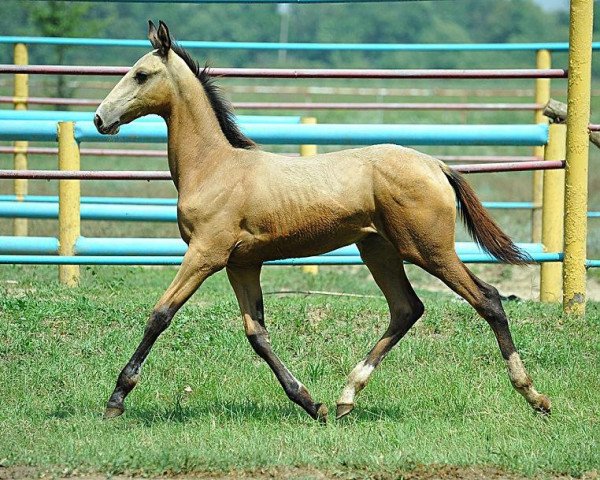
{"x": 480, "y": 225}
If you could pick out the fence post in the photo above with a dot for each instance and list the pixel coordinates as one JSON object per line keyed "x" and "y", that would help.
{"x": 305, "y": 151}
{"x": 576, "y": 174}
{"x": 68, "y": 202}
{"x": 21, "y": 92}
{"x": 543, "y": 60}
{"x": 553, "y": 215}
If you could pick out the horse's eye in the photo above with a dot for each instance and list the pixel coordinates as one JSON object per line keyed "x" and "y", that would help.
{"x": 141, "y": 77}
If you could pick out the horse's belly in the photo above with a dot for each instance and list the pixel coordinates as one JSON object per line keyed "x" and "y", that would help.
{"x": 313, "y": 238}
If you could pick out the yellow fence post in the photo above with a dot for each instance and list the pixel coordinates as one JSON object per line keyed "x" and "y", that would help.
{"x": 553, "y": 215}
{"x": 69, "y": 228}
{"x": 305, "y": 151}
{"x": 21, "y": 93}
{"x": 576, "y": 174}
{"x": 542, "y": 95}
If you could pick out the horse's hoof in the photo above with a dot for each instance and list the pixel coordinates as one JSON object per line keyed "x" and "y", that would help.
{"x": 343, "y": 409}
{"x": 113, "y": 412}
{"x": 543, "y": 406}
{"x": 322, "y": 411}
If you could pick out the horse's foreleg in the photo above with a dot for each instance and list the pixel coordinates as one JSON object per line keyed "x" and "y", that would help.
{"x": 405, "y": 309}
{"x": 246, "y": 284}
{"x": 195, "y": 268}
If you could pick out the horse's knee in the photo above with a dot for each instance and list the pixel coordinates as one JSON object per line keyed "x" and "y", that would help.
{"x": 159, "y": 320}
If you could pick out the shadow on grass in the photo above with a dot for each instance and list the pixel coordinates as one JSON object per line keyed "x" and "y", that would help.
{"x": 160, "y": 413}
{"x": 243, "y": 411}
{"x": 63, "y": 411}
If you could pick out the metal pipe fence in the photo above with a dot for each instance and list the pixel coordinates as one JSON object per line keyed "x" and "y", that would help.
{"x": 482, "y": 74}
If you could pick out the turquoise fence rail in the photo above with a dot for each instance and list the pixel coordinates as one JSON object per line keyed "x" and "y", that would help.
{"x": 73, "y": 116}
{"x": 173, "y": 201}
{"x": 154, "y": 251}
{"x": 251, "y": 1}
{"x": 176, "y": 260}
{"x": 319, "y": 134}
{"x": 133, "y": 210}
{"x": 302, "y": 46}
{"x": 106, "y": 246}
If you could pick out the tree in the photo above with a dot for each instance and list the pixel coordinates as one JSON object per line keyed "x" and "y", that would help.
{"x": 63, "y": 19}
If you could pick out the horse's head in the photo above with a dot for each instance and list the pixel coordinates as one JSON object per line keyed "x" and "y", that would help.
{"x": 145, "y": 89}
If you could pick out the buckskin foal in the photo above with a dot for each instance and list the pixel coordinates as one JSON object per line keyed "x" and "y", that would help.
{"x": 239, "y": 206}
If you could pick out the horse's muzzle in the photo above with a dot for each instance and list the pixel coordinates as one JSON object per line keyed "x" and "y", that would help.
{"x": 111, "y": 129}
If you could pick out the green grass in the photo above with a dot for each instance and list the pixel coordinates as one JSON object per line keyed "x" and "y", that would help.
{"x": 441, "y": 397}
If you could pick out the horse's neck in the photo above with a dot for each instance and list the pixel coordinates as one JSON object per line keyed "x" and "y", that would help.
{"x": 196, "y": 142}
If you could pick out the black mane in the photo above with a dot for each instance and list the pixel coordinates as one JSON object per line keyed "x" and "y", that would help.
{"x": 220, "y": 105}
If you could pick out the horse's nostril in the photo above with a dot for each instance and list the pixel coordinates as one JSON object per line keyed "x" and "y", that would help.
{"x": 98, "y": 122}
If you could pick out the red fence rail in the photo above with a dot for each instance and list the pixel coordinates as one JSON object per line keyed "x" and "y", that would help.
{"x": 107, "y": 152}
{"x": 90, "y": 102}
{"x": 165, "y": 175}
{"x": 305, "y": 73}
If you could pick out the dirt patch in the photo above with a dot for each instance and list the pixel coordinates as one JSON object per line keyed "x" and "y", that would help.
{"x": 423, "y": 472}
{"x": 13, "y": 290}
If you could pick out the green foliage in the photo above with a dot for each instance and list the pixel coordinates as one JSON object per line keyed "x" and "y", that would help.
{"x": 402, "y": 22}
{"x": 59, "y": 19}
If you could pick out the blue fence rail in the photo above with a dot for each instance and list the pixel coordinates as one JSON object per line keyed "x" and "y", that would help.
{"x": 106, "y": 246}
{"x": 155, "y": 251}
{"x": 73, "y": 116}
{"x": 247, "y": 2}
{"x": 173, "y": 201}
{"x": 175, "y": 260}
{"x": 320, "y": 134}
{"x": 132, "y": 210}
{"x": 355, "y": 47}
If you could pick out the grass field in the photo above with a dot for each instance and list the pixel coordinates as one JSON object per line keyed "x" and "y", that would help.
{"x": 442, "y": 397}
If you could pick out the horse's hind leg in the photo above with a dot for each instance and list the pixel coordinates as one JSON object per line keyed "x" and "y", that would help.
{"x": 486, "y": 300}
{"x": 387, "y": 269}
{"x": 246, "y": 284}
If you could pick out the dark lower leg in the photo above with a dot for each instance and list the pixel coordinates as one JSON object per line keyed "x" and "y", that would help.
{"x": 293, "y": 388}
{"x": 246, "y": 284}
{"x": 494, "y": 313}
{"x": 360, "y": 374}
{"x": 197, "y": 265}
{"x": 486, "y": 300}
{"x": 130, "y": 374}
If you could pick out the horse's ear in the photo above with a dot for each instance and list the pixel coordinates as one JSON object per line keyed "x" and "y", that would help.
{"x": 152, "y": 35}
{"x": 159, "y": 38}
{"x": 164, "y": 38}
